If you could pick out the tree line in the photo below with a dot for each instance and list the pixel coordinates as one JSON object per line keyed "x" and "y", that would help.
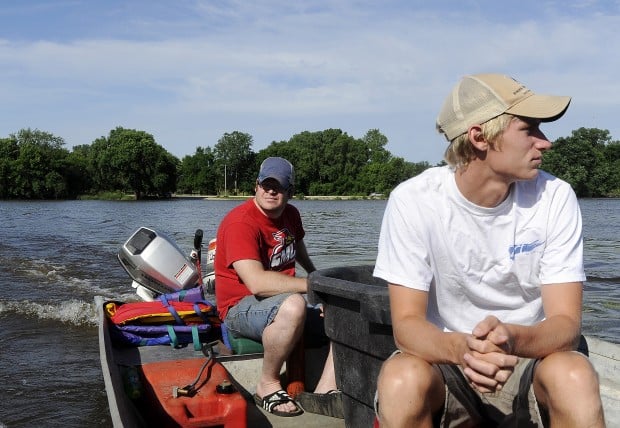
{"x": 589, "y": 160}
{"x": 35, "y": 164}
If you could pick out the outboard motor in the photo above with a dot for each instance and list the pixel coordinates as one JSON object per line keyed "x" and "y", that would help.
{"x": 156, "y": 264}
{"x": 209, "y": 277}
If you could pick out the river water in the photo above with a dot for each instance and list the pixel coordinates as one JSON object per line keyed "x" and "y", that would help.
{"x": 56, "y": 256}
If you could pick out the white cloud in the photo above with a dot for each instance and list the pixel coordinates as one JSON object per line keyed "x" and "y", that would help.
{"x": 273, "y": 69}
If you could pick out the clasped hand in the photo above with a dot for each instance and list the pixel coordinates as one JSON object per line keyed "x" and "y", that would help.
{"x": 489, "y": 362}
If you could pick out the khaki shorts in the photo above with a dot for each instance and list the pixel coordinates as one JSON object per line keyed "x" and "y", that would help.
{"x": 514, "y": 405}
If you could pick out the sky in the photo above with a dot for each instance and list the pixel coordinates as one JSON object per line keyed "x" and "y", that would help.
{"x": 189, "y": 71}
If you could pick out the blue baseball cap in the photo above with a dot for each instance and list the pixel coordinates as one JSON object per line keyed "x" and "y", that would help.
{"x": 279, "y": 169}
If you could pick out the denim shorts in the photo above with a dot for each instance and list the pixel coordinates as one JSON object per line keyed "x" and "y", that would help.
{"x": 251, "y": 315}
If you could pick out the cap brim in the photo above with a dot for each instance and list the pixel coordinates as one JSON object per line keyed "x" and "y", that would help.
{"x": 544, "y": 107}
{"x": 283, "y": 181}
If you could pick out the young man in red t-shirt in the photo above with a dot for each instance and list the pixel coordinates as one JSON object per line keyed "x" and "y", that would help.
{"x": 257, "y": 293}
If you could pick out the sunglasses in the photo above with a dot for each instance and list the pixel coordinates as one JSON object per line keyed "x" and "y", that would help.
{"x": 272, "y": 186}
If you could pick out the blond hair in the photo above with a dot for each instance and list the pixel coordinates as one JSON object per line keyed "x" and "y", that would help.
{"x": 461, "y": 152}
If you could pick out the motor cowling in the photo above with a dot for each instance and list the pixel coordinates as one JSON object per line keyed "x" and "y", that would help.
{"x": 154, "y": 261}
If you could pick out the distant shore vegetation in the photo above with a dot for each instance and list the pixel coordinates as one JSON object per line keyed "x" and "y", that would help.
{"x": 129, "y": 164}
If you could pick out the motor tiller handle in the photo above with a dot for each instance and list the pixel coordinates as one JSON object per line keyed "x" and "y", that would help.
{"x": 198, "y": 240}
{"x": 198, "y": 249}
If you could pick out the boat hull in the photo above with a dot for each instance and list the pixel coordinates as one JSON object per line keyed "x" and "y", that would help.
{"x": 166, "y": 368}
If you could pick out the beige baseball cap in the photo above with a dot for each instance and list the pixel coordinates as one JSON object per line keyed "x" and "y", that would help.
{"x": 481, "y": 97}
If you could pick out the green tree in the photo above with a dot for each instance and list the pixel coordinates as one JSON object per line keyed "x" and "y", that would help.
{"x": 131, "y": 160}
{"x": 39, "y": 166}
{"x": 234, "y": 160}
{"x": 375, "y": 142}
{"x": 304, "y": 151}
{"x": 580, "y": 160}
{"x": 384, "y": 171}
{"x": 104, "y": 175}
{"x": 326, "y": 162}
{"x": 385, "y": 177}
{"x": 330, "y": 162}
{"x": 9, "y": 152}
{"x": 197, "y": 173}
{"x": 79, "y": 172}
{"x": 612, "y": 157}
{"x": 344, "y": 156}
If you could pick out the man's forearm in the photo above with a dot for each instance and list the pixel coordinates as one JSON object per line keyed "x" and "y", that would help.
{"x": 423, "y": 339}
{"x": 271, "y": 283}
{"x": 558, "y": 333}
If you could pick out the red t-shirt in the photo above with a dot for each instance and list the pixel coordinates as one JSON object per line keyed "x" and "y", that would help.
{"x": 247, "y": 233}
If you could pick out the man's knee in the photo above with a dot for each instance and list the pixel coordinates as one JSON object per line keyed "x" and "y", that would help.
{"x": 566, "y": 386}
{"x": 566, "y": 376}
{"x": 292, "y": 310}
{"x": 409, "y": 390}
{"x": 403, "y": 375}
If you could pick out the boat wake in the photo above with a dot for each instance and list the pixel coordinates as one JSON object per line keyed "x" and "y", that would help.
{"x": 75, "y": 312}
{"x": 612, "y": 280}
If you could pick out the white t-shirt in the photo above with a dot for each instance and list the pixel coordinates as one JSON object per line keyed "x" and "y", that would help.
{"x": 477, "y": 261}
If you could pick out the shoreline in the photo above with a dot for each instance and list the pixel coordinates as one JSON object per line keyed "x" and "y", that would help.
{"x": 308, "y": 198}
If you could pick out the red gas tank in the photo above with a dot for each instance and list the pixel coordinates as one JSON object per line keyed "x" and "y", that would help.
{"x": 211, "y": 406}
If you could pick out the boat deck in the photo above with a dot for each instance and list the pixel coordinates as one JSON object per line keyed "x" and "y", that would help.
{"x": 244, "y": 370}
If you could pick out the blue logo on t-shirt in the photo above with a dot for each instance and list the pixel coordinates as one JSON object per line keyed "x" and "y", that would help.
{"x": 522, "y": 248}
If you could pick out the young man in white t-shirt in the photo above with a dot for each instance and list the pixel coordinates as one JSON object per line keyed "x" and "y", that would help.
{"x": 484, "y": 264}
